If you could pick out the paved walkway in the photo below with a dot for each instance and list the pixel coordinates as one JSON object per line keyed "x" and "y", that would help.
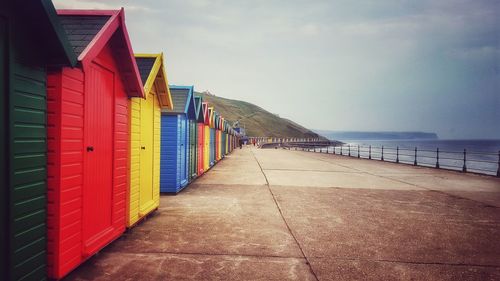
{"x": 289, "y": 215}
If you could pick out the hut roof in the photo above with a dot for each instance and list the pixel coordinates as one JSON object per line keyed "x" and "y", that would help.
{"x": 152, "y": 71}
{"x": 183, "y": 100}
{"x": 89, "y": 31}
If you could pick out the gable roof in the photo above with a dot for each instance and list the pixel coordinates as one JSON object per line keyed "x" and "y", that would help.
{"x": 89, "y": 31}
{"x": 219, "y": 121}
{"x": 204, "y": 107}
{"x": 40, "y": 18}
{"x": 211, "y": 117}
{"x": 145, "y": 65}
{"x": 183, "y": 101}
{"x": 200, "y": 117}
{"x": 216, "y": 119}
{"x": 152, "y": 71}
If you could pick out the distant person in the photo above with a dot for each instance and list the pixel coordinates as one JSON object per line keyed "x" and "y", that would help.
{"x": 241, "y": 143}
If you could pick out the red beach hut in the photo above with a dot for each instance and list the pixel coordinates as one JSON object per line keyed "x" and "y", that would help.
{"x": 200, "y": 127}
{"x": 88, "y": 138}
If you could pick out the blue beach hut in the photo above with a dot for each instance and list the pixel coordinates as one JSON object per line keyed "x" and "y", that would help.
{"x": 174, "y": 162}
{"x": 212, "y": 135}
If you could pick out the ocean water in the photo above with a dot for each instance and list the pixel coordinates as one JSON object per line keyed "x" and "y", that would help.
{"x": 481, "y": 156}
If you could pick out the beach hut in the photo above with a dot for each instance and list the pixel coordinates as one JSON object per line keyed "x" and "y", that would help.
{"x": 31, "y": 40}
{"x": 88, "y": 138}
{"x": 174, "y": 163}
{"x": 206, "y": 144}
{"x": 230, "y": 141}
{"x": 226, "y": 138}
{"x": 201, "y": 135}
{"x": 144, "y": 146}
{"x": 223, "y": 138}
{"x": 216, "y": 136}
{"x": 219, "y": 138}
{"x": 192, "y": 146}
{"x": 212, "y": 135}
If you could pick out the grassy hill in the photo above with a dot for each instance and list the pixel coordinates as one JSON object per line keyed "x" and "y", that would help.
{"x": 257, "y": 121}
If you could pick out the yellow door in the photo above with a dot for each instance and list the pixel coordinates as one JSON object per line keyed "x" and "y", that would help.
{"x": 207, "y": 148}
{"x": 147, "y": 150}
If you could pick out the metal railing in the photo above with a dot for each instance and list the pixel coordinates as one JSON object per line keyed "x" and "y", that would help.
{"x": 487, "y": 163}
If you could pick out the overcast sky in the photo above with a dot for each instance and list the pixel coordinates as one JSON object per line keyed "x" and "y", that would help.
{"x": 335, "y": 64}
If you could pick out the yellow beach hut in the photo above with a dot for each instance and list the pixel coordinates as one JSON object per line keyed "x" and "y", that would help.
{"x": 145, "y": 126}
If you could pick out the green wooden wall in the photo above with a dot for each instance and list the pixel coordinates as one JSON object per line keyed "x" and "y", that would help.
{"x": 26, "y": 152}
{"x": 3, "y": 149}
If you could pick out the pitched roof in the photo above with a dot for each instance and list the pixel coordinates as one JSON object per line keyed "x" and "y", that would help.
{"x": 211, "y": 117}
{"x": 183, "y": 100}
{"x": 200, "y": 117}
{"x": 153, "y": 75}
{"x": 81, "y": 30}
{"x": 205, "y": 113}
{"x": 216, "y": 120}
{"x": 145, "y": 64}
{"x": 40, "y": 19}
{"x": 89, "y": 31}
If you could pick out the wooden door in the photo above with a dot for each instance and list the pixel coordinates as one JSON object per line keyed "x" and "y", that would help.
{"x": 98, "y": 160}
{"x": 192, "y": 148}
{"x": 147, "y": 152}
{"x": 183, "y": 149}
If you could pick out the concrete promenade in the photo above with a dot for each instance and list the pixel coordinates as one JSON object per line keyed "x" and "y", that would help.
{"x": 272, "y": 214}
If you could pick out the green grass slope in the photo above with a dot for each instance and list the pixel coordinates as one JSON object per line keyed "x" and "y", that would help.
{"x": 257, "y": 121}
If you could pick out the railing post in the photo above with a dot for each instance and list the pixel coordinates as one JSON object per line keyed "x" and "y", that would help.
{"x": 437, "y": 158}
{"x": 464, "y": 168}
{"x": 498, "y": 169}
{"x": 370, "y": 152}
{"x": 341, "y": 150}
{"x": 382, "y": 156}
{"x": 334, "y": 147}
{"x": 397, "y": 154}
{"x": 358, "y": 152}
{"x": 415, "y": 162}
{"x": 349, "y": 148}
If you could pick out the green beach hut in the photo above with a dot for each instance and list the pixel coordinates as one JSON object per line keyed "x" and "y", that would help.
{"x": 31, "y": 40}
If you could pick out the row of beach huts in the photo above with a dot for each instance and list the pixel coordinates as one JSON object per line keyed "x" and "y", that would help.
{"x": 90, "y": 134}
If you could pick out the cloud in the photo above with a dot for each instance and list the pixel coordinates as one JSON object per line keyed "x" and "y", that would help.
{"x": 364, "y": 65}
{"x": 484, "y": 53}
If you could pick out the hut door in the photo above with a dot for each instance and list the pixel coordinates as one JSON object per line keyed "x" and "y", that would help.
{"x": 183, "y": 150}
{"x": 192, "y": 148}
{"x": 98, "y": 169}
{"x": 147, "y": 150}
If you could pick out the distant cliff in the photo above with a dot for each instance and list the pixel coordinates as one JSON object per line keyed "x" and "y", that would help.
{"x": 257, "y": 121}
{"x": 355, "y": 135}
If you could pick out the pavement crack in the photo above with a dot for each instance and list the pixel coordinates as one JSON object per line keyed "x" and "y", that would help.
{"x": 284, "y": 220}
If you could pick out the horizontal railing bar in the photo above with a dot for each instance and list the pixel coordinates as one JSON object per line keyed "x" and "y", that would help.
{"x": 386, "y": 148}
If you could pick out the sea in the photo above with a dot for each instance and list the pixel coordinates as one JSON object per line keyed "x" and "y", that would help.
{"x": 481, "y": 156}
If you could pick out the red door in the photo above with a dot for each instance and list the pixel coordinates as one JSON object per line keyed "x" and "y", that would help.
{"x": 98, "y": 163}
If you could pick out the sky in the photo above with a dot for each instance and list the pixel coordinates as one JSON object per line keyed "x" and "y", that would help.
{"x": 385, "y": 65}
